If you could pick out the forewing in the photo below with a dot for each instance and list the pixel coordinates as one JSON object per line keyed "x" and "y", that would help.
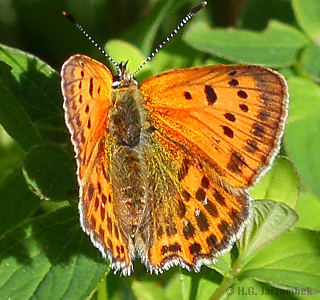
{"x": 86, "y": 88}
{"x": 231, "y": 116}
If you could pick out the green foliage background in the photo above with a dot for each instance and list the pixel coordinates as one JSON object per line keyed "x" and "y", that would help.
{"x": 43, "y": 252}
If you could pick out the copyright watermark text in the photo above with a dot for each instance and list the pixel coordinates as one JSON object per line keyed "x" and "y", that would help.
{"x": 243, "y": 291}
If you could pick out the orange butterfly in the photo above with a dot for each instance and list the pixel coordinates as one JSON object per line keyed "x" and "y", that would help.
{"x": 164, "y": 167}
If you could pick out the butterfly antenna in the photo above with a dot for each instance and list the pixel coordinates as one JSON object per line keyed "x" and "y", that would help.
{"x": 75, "y": 23}
{"x": 184, "y": 21}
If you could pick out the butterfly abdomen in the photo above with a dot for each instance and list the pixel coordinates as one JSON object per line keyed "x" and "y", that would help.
{"x": 128, "y": 176}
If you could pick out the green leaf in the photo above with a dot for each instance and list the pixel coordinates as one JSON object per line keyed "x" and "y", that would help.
{"x": 276, "y": 46}
{"x": 147, "y": 290}
{"x": 303, "y": 127}
{"x": 223, "y": 264}
{"x": 270, "y": 220}
{"x": 290, "y": 261}
{"x": 122, "y": 51}
{"x": 185, "y": 285}
{"x": 310, "y": 61}
{"x": 50, "y": 173}
{"x": 256, "y": 14}
{"x": 13, "y": 117}
{"x": 11, "y": 154}
{"x": 30, "y": 99}
{"x": 280, "y": 184}
{"x": 308, "y": 209}
{"x": 17, "y": 203}
{"x": 307, "y": 14}
{"x": 49, "y": 257}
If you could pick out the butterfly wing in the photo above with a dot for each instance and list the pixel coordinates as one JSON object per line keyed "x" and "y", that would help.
{"x": 209, "y": 149}
{"x": 232, "y": 116}
{"x": 190, "y": 216}
{"x": 86, "y": 88}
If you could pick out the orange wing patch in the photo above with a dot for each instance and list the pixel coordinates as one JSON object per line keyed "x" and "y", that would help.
{"x": 86, "y": 86}
{"x": 98, "y": 216}
{"x": 227, "y": 115}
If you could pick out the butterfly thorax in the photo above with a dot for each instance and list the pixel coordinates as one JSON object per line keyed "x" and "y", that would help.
{"x": 126, "y": 118}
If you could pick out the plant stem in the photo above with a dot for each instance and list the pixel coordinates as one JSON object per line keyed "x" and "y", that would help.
{"x": 222, "y": 289}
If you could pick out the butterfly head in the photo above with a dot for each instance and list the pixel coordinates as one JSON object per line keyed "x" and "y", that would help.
{"x": 123, "y": 78}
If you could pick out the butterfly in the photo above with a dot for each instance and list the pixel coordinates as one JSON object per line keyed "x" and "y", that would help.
{"x": 164, "y": 166}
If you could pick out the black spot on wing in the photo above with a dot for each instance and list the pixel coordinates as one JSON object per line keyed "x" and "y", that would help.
{"x": 174, "y": 248}
{"x": 91, "y": 87}
{"x": 210, "y": 94}
{"x": 258, "y": 130}
{"x": 230, "y": 117}
{"x": 233, "y": 82}
{"x": 212, "y": 241}
{"x": 227, "y": 131}
{"x": 217, "y": 195}
{"x": 186, "y": 195}
{"x": 200, "y": 194}
{"x": 205, "y": 182}
{"x": 195, "y": 248}
{"x": 244, "y": 107}
{"x": 90, "y": 191}
{"x": 181, "y": 209}
{"x": 160, "y": 231}
{"x": 252, "y": 146}
{"x": 171, "y": 228}
{"x": 102, "y": 212}
{"x": 264, "y": 115}
{"x": 211, "y": 208}
{"x": 242, "y": 94}
{"x": 236, "y": 162}
{"x": 188, "y": 230}
{"x": 187, "y": 96}
{"x": 233, "y": 73}
{"x": 202, "y": 221}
